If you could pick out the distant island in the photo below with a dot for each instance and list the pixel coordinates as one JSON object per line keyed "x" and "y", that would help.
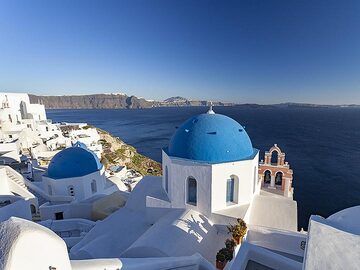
{"x": 123, "y": 101}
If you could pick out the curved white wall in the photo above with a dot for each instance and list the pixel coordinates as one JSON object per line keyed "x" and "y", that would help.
{"x": 81, "y": 185}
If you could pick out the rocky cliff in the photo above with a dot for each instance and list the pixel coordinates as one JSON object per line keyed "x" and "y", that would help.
{"x": 97, "y": 101}
{"x": 117, "y": 152}
{"x": 114, "y": 101}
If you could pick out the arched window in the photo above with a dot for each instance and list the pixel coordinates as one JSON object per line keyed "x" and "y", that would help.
{"x": 274, "y": 157}
{"x": 166, "y": 179}
{"x": 191, "y": 191}
{"x": 232, "y": 185}
{"x": 93, "y": 186}
{"x": 267, "y": 177}
{"x": 278, "y": 178}
{"x": 50, "y": 190}
{"x": 33, "y": 209}
{"x": 71, "y": 190}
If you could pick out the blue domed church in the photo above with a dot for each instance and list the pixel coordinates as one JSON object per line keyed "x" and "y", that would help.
{"x": 74, "y": 175}
{"x": 210, "y": 165}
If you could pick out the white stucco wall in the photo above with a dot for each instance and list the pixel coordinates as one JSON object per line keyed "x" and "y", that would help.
{"x": 82, "y": 185}
{"x": 4, "y": 186}
{"x": 211, "y": 182}
{"x": 244, "y": 172}
{"x": 14, "y": 100}
{"x": 178, "y": 172}
{"x": 69, "y": 210}
{"x": 37, "y": 111}
{"x": 9, "y": 152}
{"x": 19, "y": 207}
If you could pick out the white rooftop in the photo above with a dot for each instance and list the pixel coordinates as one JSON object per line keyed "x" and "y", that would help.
{"x": 273, "y": 211}
{"x": 330, "y": 247}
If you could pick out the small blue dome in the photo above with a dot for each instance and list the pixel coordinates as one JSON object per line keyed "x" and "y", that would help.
{"x": 211, "y": 138}
{"x": 74, "y": 161}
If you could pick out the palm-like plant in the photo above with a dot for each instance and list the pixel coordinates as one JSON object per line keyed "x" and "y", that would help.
{"x": 238, "y": 230}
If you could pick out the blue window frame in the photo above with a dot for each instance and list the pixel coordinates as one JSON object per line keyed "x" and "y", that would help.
{"x": 192, "y": 191}
{"x": 230, "y": 190}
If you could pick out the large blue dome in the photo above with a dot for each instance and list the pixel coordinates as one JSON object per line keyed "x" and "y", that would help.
{"x": 74, "y": 161}
{"x": 211, "y": 138}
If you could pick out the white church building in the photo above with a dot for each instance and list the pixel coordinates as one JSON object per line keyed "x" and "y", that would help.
{"x": 209, "y": 180}
{"x": 73, "y": 178}
{"x": 210, "y": 165}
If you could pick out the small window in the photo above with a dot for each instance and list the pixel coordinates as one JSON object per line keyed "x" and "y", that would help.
{"x": 59, "y": 215}
{"x": 71, "y": 190}
{"x": 192, "y": 191}
{"x": 230, "y": 188}
{"x": 32, "y": 209}
{"x": 93, "y": 186}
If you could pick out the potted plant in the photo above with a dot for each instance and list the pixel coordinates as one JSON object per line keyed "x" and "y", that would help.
{"x": 220, "y": 260}
{"x": 230, "y": 244}
{"x": 238, "y": 230}
{"x": 222, "y": 257}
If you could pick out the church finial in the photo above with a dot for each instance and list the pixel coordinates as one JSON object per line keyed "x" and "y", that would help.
{"x": 210, "y": 111}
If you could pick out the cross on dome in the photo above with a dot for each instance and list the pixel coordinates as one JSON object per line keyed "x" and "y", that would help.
{"x": 210, "y": 111}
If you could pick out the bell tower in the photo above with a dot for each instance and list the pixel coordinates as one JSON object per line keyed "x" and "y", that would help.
{"x": 275, "y": 173}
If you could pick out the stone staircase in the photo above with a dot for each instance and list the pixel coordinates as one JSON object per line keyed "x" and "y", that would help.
{"x": 16, "y": 179}
{"x": 20, "y": 181}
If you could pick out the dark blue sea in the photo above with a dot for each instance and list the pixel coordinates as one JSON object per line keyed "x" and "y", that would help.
{"x": 322, "y": 145}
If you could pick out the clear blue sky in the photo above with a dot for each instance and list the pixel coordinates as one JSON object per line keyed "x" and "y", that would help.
{"x": 243, "y": 51}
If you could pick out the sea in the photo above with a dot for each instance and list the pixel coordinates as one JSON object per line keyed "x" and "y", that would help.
{"x": 322, "y": 145}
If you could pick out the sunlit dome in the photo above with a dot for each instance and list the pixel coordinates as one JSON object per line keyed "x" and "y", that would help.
{"x": 211, "y": 138}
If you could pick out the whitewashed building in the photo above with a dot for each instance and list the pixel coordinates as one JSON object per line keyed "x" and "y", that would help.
{"x": 15, "y": 197}
{"x": 88, "y": 136}
{"x": 73, "y": 179}
{"x": 210, "y": 165}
